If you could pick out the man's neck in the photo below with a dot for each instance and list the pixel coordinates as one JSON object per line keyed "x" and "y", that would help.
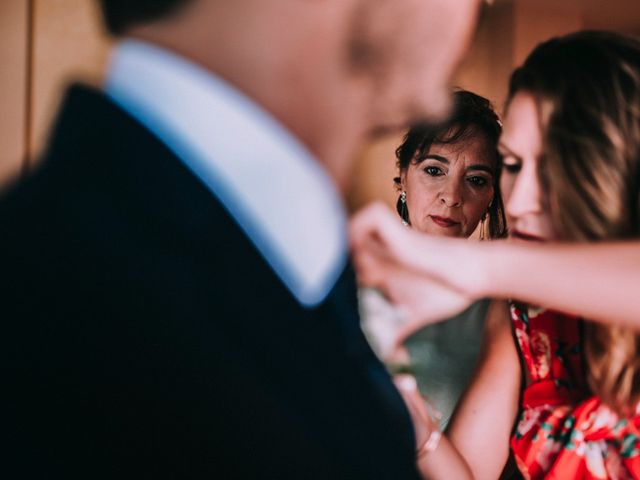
{"x": 293, "y": 72}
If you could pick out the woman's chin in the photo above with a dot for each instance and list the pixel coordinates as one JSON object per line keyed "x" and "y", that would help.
{"x": 443, "y": 232}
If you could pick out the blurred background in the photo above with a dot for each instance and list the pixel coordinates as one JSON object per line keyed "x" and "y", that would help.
{"x": 44, "y": 44}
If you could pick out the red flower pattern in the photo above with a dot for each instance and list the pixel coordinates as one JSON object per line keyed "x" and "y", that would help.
{"x": 564, "y": 431}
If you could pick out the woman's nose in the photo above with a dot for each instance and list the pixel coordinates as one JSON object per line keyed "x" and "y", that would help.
{"x": 525, "y": 197}
{"x": 451, "y": 194}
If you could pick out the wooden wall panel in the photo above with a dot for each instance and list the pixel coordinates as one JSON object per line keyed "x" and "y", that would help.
{"x": 13, "y": 85}
{"x": 373, "y": 173}
{"x": 488, "y": 64}
{"x": 536, "y": 22}
{"x": 69, "y": 43}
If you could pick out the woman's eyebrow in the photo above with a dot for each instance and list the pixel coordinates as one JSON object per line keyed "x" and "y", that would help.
{"x": 439, "y": 158}
{"x": 503, "y": 146}
{"x": 481, "y": 166}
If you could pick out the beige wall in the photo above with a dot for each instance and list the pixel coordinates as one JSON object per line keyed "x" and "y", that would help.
{"x": 490, "y": 59}
{"x": 13, "y": 85}
{"x": 43, "y": 45}
{"x": 68, "y": 44}
{"x": 535, "y": 22}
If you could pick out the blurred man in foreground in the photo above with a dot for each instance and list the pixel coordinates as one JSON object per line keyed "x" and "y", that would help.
{"x": 177, "y": 295}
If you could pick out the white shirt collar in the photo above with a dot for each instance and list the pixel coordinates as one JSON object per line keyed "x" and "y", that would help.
{"x": 269, "y": 182}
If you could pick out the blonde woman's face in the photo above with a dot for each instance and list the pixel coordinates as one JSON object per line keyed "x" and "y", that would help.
{"x": 521, "y": 148}
{"x": 451, "y": 189}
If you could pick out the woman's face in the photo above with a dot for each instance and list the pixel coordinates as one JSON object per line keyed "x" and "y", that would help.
{"x": 450, "y": 191}
{"x": 521, "y": 147}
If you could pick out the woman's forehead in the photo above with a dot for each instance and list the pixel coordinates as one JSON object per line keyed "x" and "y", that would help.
{"x": 475, "y": 148}
{"x": 521, "y": 133}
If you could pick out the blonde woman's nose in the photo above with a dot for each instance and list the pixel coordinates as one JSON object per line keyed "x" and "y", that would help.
{"x": 525, "y": 197}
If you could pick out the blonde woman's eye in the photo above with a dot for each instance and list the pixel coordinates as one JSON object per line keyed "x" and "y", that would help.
{"x": 511, "y": 167}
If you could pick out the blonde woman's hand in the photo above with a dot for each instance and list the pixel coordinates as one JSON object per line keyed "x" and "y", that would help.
{"x": 387, "y": 256}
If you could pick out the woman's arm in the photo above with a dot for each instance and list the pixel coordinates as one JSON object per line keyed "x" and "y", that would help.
{"x": 483, "y": 420}
{"x": 435, "y": 460}
{"x": 597, "y": 281}
{"x": 477, "y": 441}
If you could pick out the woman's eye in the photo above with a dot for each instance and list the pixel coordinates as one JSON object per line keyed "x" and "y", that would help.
{"x": 478, "y": 181}
{"x": 511, "y": 168}
{"x": 433, "y": 171}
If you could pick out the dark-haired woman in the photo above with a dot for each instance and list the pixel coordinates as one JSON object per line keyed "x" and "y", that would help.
{"x": 447, "y": 185}
{"x": 448, "y": 177}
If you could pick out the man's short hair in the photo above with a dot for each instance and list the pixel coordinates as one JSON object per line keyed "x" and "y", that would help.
{"x": 120, "y": 15}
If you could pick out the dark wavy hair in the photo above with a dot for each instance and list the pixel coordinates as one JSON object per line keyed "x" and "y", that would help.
{"x": 587, "y": 89}
{"x": 472, "y": 116}
{"x": 120, "y": 15}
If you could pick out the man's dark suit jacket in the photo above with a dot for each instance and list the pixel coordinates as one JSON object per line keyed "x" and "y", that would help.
{"x": 143, "y": 334}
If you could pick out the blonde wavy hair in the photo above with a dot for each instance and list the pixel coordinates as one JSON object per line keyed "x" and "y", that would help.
{"x": 587, "y": 86}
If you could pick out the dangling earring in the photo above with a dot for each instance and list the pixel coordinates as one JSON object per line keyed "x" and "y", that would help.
{"x": 483, "y": 226}
{"x": 404, "y": 212}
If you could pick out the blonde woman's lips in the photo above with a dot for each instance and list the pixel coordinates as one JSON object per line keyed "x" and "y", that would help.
{"x": 525, "y": 236}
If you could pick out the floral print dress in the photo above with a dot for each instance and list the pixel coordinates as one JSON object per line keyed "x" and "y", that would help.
{"x": 564, "y": 431}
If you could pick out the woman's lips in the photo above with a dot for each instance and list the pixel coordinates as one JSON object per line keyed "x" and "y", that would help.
{"x": 444, "y": 222}
{"x": 525, "y": 236}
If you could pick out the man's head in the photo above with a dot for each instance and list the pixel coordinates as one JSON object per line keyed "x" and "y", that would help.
{"x": 332, "y": 71}
{"x": 410, "y": 49}
{"x": 121, "y": 15}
